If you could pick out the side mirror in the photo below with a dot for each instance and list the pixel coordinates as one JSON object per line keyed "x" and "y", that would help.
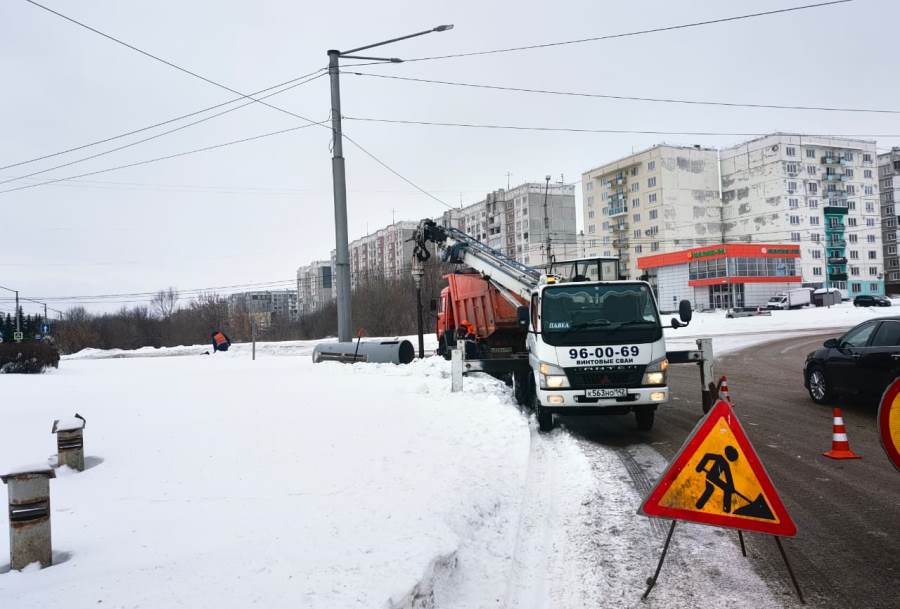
{"x": 832, "y": 343}
{"x": 685, "y": 312}
{"x": 522, "y": 316}
{"x": 677, "y": 324}
{"x": 433, "y": 305}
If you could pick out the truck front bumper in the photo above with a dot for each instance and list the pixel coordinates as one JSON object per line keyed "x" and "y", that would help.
{"x": 561, "y": 400}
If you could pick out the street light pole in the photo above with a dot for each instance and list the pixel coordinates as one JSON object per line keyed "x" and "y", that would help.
{"x": 339, "y": 178}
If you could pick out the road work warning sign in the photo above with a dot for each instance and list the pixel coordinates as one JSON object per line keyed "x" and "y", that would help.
{"x": 889, "y": 422}
{"x": 718, "y": 479}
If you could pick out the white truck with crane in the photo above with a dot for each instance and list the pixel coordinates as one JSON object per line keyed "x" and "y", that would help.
{"x": 591, "y": 345}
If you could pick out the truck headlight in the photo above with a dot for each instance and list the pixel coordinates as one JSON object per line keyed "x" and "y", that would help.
{"x": 656, "y": 372}
{"x": 552, "y": 377}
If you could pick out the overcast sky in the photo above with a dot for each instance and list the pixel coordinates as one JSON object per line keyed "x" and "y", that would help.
{"x": 253, "y": 212}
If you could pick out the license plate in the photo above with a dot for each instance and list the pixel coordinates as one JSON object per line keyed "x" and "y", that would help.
{"x": 606, "y": 393}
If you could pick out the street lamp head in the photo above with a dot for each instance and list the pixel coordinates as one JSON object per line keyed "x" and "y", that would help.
{"x": 547, "y": 178}
{"x": 396, "y": 60}
{"x": 443, "y": 28}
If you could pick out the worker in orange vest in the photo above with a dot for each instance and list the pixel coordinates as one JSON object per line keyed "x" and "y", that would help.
{"x": 220, "y": 341}
{"x": 466, "y": 332}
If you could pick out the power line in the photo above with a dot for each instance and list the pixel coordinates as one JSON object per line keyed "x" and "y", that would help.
{"x": 628, "y": 34}
{"x": 162, "y": 158}
{"x": 155, "y": 125}
{"x": 183, "y": 291}
{"x": 243, "y": 95}
{"x": 608, "y": 131}
{"x": 622, "y": 97}
{"x": 157, "y": 135}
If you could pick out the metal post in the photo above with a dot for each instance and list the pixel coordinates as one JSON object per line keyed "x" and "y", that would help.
{"x": 456, "y": 369}
{"x": 707, "y": 372}
{"x": 789, "y": 569}
{"x": 652, "y": 581}
{"x": 547, "y": 223}
{"x": 342, "y": 250}
{"x": 18, "y": 329}
{"x": 253, "y": 337}
{"x": 418, "y": 271}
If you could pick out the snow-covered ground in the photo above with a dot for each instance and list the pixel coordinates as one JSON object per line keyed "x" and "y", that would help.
{"x": 217, "y": 481}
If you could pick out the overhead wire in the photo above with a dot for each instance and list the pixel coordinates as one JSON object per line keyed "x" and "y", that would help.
{"x": 157, "y": 135}
{"x": 655, "y": 30}
{"x": 622, "y": 97}
{"x": 155, "y": 125}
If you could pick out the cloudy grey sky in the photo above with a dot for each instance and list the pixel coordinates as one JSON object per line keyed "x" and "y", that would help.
{"x": 253, "y": 212}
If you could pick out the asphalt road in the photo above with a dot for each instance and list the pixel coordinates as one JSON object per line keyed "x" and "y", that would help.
{"x": 845, "y": 554}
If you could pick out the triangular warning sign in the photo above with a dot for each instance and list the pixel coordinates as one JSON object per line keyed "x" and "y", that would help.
{"x": 718, "y": 479}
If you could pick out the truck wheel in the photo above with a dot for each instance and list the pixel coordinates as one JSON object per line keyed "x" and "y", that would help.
{"x": 545, "y": 418}
{"x": 521, "y": 388}
{"x": 644, "y": 418}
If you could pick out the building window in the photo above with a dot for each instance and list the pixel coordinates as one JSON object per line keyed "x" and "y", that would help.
{"x": 851, "y": 189}
{"x": 638, "y": 249}
{"x": 817, "y": 270}
{"x": 817, "y": 254}
{"x": 852, "y": 238}
{"x": 848, "y": 173}
{"x": 810, "y": 153}
{"x": 795, "y": 236}
{"x": 651, "y": 198}
{"x": 851, "y": 205}
{"x": 606, "y": 226}
{"x": 591, "y": 200}
{"x": 854, "y": 270}
{"x": 851, "y": 221}
{"x": 792, "y": 187}
{"x": 873, "y": 287}
{"x": 870, "y": 207}
{"x": 592, "y": 228}
{"x": 636, "y": 202}
{"x": 637, "y": 233}
{"x": 654, "y": 247}
{"x": 651, "y": 165}
{"x": 634, "y": 171}
{"x": 790, "y": 151}
{"x": 869, "y": 190}
{"x": 873, "y": 270}
{"x": 870, "y": 221}
{"x": 855, "y": 288}
{"x": 870, "y": 238}
{"x": 814, "y": 220}
{"x": 892, "y": 249}
{"x": 795, "y": 220}
{"x": 637, "y": 217}
{"x": 854, "y": 254}
{"x": 867, "y": 158}
{"x": 653, "y": 214}
{"x": 635, "y": 186}
{"x": 873, "y": 255}
{"x": 651, "y": 182}
{"x": 811, "y": 170}
{"x": 867, "y": 173}
{"x": 589, "y": 186}
{"x": 591, "y": 214}
{"x": 812, "y": 188}
{"x": 813, "y": 203}
{"x": 792, "y": 168}
{"x": 793, "y": 203}
{"x": 849, "y": 156}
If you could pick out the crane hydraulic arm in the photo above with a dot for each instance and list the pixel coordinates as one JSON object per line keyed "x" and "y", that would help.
{"x": 512, "y": 278}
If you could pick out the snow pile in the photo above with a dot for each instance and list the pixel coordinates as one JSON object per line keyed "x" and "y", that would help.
{"x": 222, "y": 482}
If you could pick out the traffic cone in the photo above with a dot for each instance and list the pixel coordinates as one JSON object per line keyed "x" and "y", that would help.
{"x": 724, "y": 394}
{"x": 840, "y": 446}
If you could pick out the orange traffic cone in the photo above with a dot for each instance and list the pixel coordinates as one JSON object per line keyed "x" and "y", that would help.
{"x": 724, "y": 394}
{"x": 840, "y": 446}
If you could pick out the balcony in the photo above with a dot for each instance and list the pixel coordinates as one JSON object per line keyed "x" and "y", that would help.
{"x": 837, "y": 260}
{"x": 837, "y": 276}
{"x": 620, "y": 243}
{"x": 834, "y": 177}
{"x": 836, "y": 243}
{"x": 836, "y": 207}
{"x": 619, "y": 227}
{"x": 834, "y": 228}
{"x": 617, "y": 210}
{"x": 835, "y": 159}
{"x": 614, "y": 182}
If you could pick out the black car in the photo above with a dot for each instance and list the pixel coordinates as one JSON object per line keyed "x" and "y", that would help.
{"x": 862, "y": 362}
{"x": 867, "y": 300}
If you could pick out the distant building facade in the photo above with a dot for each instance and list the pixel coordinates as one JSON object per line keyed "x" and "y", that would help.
{"x": 889, "y": 191}
{"x": 315, "y": 283}
{"x": 818, "y": 192}
{"x": 659, "y": 200}
{"x": 386, "y": 253}
{"x": 517, "y": 223}
{"x": 265, "y": 306}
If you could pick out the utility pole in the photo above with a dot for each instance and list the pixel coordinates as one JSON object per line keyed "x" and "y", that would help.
{"x": 547, "y": 222}
{"x": 339, "y": 178}
{"x": 418, "y": 271}
{"x": 508, "y": 174}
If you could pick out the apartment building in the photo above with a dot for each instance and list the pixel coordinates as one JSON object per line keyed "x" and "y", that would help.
{"x": 818, "y": 192}
{"x": 659, "y": 200}
{"x": 314, "y": 286}
{"x": 522, "y": 223}
{"x": 386, "y": 253}
{"x": 265, "y": 306}
{"x": 889, "y": 191}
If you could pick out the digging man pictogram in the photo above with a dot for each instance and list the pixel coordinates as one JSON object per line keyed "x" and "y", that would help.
{"x": 718, "y": 475}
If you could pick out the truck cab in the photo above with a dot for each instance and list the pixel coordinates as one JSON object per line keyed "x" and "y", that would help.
{"x": 595, "y": 348}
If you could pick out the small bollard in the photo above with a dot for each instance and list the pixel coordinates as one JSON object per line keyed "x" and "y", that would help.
{"x": 70, "y": 441}
{"x": 456, "y": 369}
{"x": 29, "y": 516}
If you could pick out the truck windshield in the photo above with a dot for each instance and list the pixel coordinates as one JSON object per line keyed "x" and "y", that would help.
{"x": 600, "y": 313}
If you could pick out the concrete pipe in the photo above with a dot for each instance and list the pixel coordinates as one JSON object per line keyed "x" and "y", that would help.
{"x": 397, "y": 351}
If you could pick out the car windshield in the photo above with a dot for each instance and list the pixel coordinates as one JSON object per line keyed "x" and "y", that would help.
{"x": 601, "y": 313}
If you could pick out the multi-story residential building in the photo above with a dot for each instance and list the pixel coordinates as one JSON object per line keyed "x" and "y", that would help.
{"x": 819, "y": 192}
{"x": 314, "y": 286}
{"x": 264, "y": 306}
{"x": 386, "y": 253}
{"x": 889, "y": 190}
{"x": 523, "y": 223}
{"x": 659, "y": 200}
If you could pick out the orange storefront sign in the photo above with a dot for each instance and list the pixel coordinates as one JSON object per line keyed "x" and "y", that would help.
{"x": 722, "y": 250}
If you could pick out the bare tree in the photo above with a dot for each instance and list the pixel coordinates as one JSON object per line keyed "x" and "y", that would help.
{"x": 164, "y": 302}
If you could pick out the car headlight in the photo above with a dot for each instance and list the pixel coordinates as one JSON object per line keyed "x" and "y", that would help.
{"x": 655, "y": 374}
{"x": 552, "y": 377}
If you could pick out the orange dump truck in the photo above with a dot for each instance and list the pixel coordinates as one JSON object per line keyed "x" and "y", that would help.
{"x": 469, "y": 297}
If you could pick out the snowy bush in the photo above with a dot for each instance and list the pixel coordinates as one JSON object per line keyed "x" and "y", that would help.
{"x": 27, "y": 358}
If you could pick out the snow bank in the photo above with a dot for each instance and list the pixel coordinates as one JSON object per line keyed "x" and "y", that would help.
{"x": 220, "y": 482}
